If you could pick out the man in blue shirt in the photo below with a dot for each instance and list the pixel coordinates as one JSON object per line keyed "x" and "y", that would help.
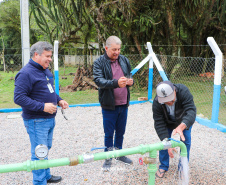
{"x": 34, "y": 92}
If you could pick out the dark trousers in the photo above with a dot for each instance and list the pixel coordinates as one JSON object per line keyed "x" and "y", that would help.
{"x": 114, "y": 122}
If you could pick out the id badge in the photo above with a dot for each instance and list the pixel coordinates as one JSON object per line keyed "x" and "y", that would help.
{"x": 50, "y": 88}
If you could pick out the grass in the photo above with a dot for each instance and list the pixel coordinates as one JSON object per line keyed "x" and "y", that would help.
{"x": 7, "y": 90}
{"x": 78, "y": 97}
{"x": 202, "y": 92}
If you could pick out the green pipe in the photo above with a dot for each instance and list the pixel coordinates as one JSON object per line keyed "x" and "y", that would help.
{"x": 34, "y": 165}
{"x": 152, "y": 167}
{"x": 142, "y": 149}
{"x": 182, "y": 146}
{"x": 87, "y": 158}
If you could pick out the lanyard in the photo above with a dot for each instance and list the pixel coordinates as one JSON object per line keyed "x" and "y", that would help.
{"x": 47, "y": 79}
{"x": 49, "y": 84}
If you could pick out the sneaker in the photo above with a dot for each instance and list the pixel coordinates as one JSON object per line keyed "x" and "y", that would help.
{"x": 107, "y": 165}
{"x": 124, "y": 159}
{"x": 54, "y": 179}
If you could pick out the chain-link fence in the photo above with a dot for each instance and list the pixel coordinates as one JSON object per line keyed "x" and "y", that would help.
{"x": 10, "y": 62}
{"x": 77, "y": 87}
{"x": 198, "y": 75}
{"x": 192, "y": 73}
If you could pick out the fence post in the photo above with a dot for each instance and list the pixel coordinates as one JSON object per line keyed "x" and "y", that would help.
{"x": 150, "y": 74}
{"x": 159, "y": 67}
{"x": 217, "y": 79}
{"x": 56, "y": 72}
{"x": 153, "y": 59}
{"x": 140, "y": 65}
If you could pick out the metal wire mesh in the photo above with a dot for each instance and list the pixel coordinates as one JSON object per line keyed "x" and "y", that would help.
{"x": 10, "y": 62}
{"x": 196, "y": 73}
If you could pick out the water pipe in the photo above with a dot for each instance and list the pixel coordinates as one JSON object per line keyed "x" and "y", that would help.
{"x": 87, "y": 158}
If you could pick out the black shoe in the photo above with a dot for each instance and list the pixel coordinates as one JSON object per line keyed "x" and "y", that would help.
{"x": 107, "y": 165}
{"x": 124, "y": 159}
{"x": 54, "y": 179}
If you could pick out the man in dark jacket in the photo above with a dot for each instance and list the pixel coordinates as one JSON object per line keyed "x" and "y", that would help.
{"x": 111, "y": 73}
{"x": 34, "y": 92}
{"x": 174, "y": 112}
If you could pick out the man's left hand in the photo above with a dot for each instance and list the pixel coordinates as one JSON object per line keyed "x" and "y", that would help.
{"x": 129, "y": 82}
{"x": 63, "y": 104}
{"x": 180, "y": 130}
{"x": 170, "y": 152}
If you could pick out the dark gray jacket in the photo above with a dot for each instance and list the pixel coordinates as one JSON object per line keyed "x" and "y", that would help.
{"x": 102, "y": 74}
{"x": 185, "y": 111}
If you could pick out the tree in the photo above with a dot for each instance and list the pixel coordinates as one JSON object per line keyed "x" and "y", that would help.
{"x": 66, "y": 21}
{"x": 60, "y": 20}
{"x": 10, "y": 24}
{"x": 131, "y": 20}
{"x": 175, "y": 23}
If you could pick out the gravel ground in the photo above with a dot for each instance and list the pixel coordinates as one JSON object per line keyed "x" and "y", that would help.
{"x": 84, "y": 130}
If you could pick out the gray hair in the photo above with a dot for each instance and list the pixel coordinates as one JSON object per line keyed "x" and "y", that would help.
{"x": 113, "y": 39}
{"x": 39, "y": 47}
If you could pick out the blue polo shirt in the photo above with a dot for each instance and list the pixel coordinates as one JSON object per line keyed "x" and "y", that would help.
{"x": 31, "y": 91}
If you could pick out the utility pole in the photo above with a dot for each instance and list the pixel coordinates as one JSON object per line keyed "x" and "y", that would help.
{"x": 25, "y": 33}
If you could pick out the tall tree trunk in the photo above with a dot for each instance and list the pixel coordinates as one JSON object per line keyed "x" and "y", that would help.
{"x": 3, "y": 53}
{"x": 138, "y": 45}
{"x": 172, "y": 30}
{"x": 172, "y": 37}
{"x": 85, "y": 51}
{"x": 95, "y": 11}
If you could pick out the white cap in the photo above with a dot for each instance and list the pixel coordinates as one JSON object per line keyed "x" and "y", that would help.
{"x": 165, "y": 91}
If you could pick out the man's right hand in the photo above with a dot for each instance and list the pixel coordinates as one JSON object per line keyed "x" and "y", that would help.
{"x": 50, "y": 108}
{"x": 122, "y": 82}
{"x": 179, "y": 129}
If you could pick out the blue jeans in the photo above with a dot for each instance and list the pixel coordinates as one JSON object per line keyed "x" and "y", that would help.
{"x": 40, "y": 131}
{"x": 163, "y": 154}
{"x": 114, "y": 122}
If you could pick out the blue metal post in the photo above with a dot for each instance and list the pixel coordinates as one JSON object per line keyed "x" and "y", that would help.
{"x": 56, "y": 72}
{"x": 217, "y": 79}
{"x": 150, "y": 79}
